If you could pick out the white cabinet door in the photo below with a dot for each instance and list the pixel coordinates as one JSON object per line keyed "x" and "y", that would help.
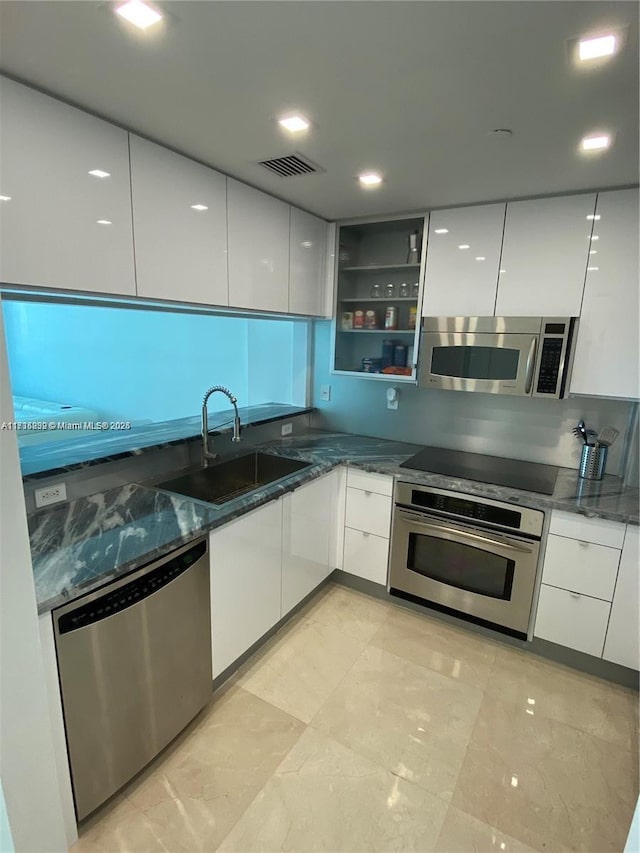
{"x": 368, "y": 511}
{"x": 607, "y": 361}
{"x": 307, "y": 249}
{"x": 258, "y": 249}
{"x": 181, "y": 248}
{"x": 463, "y": 258}
{"x": 623, "y": 641}
{"x": 544, "y": 257}
{"x": 581, "y": 566}
{"x": 366, "y": 555}
{"x": 246, "y": 558}
{"x": 306, "y": 538}
{"x": 572, "y": 620}
{"x": 60, "y": 226}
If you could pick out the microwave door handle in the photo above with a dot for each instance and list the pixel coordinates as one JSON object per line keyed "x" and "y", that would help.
{"x": 464, "y": 534}
{"x": 531, "y": 361}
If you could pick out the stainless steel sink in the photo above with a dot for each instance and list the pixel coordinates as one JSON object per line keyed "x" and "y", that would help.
{"x": 234, "y": 477}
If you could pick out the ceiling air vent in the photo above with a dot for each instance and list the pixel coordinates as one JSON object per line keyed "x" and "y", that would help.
{"x": 294, "y": 164}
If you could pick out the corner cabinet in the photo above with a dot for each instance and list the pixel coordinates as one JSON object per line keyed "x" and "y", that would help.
{"x": 65, "y": 211}
{"x": 307, "y": 252}
{"x": 379, "y": 276}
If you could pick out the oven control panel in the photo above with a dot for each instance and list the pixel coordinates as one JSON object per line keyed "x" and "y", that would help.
{"x": 464, "y": 508}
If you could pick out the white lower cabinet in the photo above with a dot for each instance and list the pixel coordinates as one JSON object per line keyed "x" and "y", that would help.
{"x": 246, "y": 569}
{"x": 365, "y": 555}
{"x": 589, "y": 595}
{"x": 367, "y": 525}
{"x": 266, "y": 562}
{"x": 623, "y": 641}
{"x": 572, "y": 620}
{"x": 307, "y": 551}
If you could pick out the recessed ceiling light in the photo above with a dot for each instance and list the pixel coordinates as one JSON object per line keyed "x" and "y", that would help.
{"x": 593, "y": 269}
{"x": 99, "y": 173}
{"x": 5, "y": 198}
{"x": 139, "y": 14}
{"x": 104, "y": 222}
{"x": 481, "y": 258}
{"x": 199, "y": 207}
{"x": 294, "y": 123}
{"x": 464, "y": 246}
{"x": 593, "y": 251}
{"x": 594, "y": 237}
{"x": 593, "y": 216}
{"x": 306, "y": 244}
{"x": 595, "y": 143}
{"x": 441, "y": 231}
{"x": 596, "y": 47}
{"x": 370, "y": 179}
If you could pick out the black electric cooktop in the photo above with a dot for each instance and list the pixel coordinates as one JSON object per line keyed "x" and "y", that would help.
{"x": 530, "y": 476}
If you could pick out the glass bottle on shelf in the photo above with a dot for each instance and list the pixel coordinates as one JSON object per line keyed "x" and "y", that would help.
{"x": 415, "y": 289}
{"x": 403, "y": 291}
{"x": 390, "y": 291}
{"x": 376, "y": 291}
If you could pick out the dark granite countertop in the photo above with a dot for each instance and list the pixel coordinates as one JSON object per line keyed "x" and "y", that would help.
{"x": 82, "y": 545}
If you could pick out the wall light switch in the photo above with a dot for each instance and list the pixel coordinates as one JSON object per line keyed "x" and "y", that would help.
{"x": 287, "y": 429}
{"x": 325, "y": 393}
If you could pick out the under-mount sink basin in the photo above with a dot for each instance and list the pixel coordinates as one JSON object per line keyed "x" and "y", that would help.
{"x": 227, "y": 480}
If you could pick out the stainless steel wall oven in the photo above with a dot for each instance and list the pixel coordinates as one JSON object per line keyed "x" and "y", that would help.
{"x": 465, "y": 555}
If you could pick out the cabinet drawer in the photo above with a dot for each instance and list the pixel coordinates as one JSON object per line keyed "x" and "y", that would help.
{"x": 368, "y": 482}
{"x": 368, "y": 511}
{"x": 366, "y": 555}
{"x": 581, "y": 566}
{"x": 597, "y": 530}
{"x": 572, "y": 620}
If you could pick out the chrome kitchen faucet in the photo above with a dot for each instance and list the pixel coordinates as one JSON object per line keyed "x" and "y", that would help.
{"x": 206, "y": 453}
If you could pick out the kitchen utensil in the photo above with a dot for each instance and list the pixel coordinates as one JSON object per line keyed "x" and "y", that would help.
{"x": 580, "y": 430}
{"x": 592, "y": 435}
{"x": 607, "y": 436}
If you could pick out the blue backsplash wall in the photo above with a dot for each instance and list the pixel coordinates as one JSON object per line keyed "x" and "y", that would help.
{"x": 150, "y": 365}
{"x": 515, "y": 427}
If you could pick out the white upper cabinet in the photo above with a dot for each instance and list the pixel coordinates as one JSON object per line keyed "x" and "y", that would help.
{"x": 463, "y": 259}
{"x": 607, "y": 358}
{"x": 622, "y": 644}
{"x": 65, "y": 221}
{"x": 180, "y": 226}
{"x": 544, "y": 257}
{"x": 258, "y": 249}
{"x": 307, "y": 247}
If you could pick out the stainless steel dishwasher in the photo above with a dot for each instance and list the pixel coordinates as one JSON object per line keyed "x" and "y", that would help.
{"x": 134, "y": 661}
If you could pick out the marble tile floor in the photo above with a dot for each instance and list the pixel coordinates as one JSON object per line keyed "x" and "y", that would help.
{"x": 362, "y": 726}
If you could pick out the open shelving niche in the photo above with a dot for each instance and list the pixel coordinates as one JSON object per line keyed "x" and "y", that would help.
{"x": 371, "y": 253}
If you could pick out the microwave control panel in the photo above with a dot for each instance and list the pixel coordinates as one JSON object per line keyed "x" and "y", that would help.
{"x": 550, "y": 362}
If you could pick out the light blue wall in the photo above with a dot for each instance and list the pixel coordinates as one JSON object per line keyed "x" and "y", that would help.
{"x": 6, "y": 841}
{"x": 136, "y": 365}
{"x": 515, "y": 427}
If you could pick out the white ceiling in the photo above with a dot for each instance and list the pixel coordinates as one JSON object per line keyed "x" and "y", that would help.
{"x": 408, "y": 88}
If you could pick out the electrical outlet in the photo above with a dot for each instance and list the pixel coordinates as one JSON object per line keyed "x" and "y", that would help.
{"x": 287, "y": 429}
{"x": 325, "y": 393}
{"x": 50, "y": 495}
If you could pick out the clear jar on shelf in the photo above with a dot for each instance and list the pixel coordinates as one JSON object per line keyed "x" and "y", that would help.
{"x": 376, "y": 291}
{"x": 390, "y": 291}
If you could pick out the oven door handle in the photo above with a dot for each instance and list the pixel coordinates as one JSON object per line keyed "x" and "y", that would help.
{"x": 465, "y": 534}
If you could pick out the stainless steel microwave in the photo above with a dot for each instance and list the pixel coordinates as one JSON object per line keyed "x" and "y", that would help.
{"x": 523, "y": 356}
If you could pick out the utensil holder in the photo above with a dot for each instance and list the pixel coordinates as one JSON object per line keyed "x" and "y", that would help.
{"x": 593, "y": 461}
